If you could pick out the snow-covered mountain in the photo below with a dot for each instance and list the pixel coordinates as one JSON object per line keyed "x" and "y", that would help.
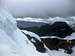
{"x": 69, "y": 21}
{"x": 38, "y": 22}
{"x": 14, "y": 43}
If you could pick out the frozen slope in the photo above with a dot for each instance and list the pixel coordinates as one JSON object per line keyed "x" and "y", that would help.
{"x": 12, "y": 41}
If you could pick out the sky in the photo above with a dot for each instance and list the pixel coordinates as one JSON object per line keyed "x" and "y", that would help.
{"x": 41, "y": 8}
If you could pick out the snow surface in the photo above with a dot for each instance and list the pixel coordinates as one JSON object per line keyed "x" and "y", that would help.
{"x": 31, "y": 34}
{"x": 72, "y": 36}
{"x": 12, "y": 41}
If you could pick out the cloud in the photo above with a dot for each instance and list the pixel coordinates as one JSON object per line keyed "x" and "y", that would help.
{"x": 41, "y": 8}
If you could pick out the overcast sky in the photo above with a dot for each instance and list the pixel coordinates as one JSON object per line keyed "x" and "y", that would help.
{"x": 41, "y": 8}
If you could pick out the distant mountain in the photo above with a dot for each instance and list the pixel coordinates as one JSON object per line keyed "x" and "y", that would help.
{"x": 25, "y": 24}
{"x": 30, "y": 26}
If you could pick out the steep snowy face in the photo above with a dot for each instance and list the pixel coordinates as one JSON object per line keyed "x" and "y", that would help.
{"x": 7, "y": 22}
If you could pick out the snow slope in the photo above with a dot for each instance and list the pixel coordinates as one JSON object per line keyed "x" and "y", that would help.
{"x": 12, "y": 41}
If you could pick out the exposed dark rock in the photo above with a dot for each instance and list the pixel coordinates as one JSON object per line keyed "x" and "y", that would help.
{"x": 60, "y": 29}
{"x": 27, "y": 24}
{"x": 56, "y": 44}
{"x": 38, "y": 44}
{"x": 52, "y": 44}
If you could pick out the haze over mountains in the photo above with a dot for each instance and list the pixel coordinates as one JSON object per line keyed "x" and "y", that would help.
{"x": 41, "y": 8}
